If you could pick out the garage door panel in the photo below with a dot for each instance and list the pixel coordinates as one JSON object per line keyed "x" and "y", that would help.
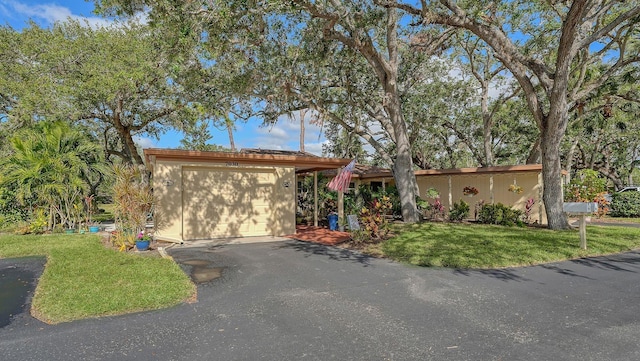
{"x": 227, "y": 202}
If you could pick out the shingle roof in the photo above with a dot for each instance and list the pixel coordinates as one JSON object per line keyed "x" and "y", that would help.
{"x": 276, "y": 152}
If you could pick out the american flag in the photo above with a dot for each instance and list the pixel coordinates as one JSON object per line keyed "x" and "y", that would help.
{"x": 341, "y": 181}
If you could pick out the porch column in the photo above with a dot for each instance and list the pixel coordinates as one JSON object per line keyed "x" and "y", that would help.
{"x": 341, "y": 210}
{"x": 491, "y": 188}
{"x": 450, "y": 195}
{"x": 315, "y": 198}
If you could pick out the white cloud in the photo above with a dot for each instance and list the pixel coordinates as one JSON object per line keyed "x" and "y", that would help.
{"x": 276, "y": 133}
{"x": 293, "y": 122}
{"x": 314, "y": 148}
{"x": 51, "y": 13}
{"x": 143, "y": 142}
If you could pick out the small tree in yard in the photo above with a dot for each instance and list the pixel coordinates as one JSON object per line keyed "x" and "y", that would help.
{"x": 132, "y": 200}
{"x": 587, "y": 186}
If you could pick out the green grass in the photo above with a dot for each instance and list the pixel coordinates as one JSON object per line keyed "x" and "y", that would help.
{"x": 83, "y": 279}
{"x": 617, "y": 219}
{"x": 485, "y": 246}
{"x": 107, "y": 215}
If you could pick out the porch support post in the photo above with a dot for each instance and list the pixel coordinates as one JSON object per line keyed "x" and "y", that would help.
{"x": 341, "y": 210}
{"x": 315, "y": 198}
{"x": 450, "y": 195}
{"x": 491, "y": 196}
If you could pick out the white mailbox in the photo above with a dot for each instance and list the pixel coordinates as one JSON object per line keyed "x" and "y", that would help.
{"x": 580, "y": 207}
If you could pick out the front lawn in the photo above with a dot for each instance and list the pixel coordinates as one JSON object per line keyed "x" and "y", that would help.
{"x": 84, "y": 279}
{"x": 486, "y": 246}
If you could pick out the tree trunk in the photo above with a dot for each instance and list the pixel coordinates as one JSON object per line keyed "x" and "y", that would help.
{"x": 407, "y": 186}
{"x": 232, "y": 143}
{"x": 572, "y": 151}
{"x": 403, "y": 166}
{"x": 302, "y": 114}
{"x": 552, "y": 178}
{"x": 130, "y": 146}
{"x": 487, "y": 124}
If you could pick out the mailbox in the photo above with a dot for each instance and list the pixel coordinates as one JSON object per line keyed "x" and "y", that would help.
{"x": 580, "y": 207}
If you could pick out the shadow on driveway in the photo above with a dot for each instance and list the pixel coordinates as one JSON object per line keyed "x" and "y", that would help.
{"x": 333, "y": 253}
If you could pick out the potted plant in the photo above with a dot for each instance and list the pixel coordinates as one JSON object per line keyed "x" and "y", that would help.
{"x": 143, "y": 240}
{"x": 514, "y": 188}
{"x": 470, "y": 191}
{"x": 132, "y": 199}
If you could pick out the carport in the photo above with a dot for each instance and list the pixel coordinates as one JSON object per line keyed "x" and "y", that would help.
{"x": 209, "y": 195}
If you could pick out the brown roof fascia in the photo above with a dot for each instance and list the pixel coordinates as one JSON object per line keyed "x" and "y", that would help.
{"x": 471, "y": 170}
{"x": 476, "y": 170}
{"x": 247, "y": 158}
{"x": 379, "y": 174}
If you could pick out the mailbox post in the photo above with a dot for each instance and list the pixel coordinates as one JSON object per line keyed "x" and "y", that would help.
{"x": 582, "y": 209}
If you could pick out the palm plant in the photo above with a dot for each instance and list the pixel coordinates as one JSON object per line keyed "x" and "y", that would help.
{"x": 46, "y": 168}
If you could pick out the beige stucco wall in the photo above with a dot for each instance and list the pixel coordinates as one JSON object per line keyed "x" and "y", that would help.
{"x": 170, "y": 194}
{"x": 492, "y": 188}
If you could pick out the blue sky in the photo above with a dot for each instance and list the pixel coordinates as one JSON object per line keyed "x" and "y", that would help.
{"x": 285, "y": 135}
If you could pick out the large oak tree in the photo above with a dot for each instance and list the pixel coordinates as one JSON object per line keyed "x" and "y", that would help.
{"x": 551, "y": 48}
{"x": 121, "y": 81}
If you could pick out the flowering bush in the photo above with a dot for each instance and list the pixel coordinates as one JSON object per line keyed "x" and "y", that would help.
{"x": 374, "y": 226}
{"x": 588, "y": 186}
{"x": 438, "y": 209}
{"x": 528, "y": 209}
{"x": 470, "y": 191}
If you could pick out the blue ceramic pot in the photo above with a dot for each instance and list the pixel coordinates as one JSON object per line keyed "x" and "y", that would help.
{"x": 94, "y": 229}
{"x": 142, "y": 245}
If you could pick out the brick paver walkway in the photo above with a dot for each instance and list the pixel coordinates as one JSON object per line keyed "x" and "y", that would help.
{"x": 319, "y": 235}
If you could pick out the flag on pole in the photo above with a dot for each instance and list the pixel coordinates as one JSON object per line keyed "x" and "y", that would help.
{"x": 341, "y": 181}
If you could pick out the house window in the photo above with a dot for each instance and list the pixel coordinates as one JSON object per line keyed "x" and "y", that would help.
{"x": 375, "y": 186}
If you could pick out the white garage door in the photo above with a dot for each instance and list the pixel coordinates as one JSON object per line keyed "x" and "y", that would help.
{"x": 227, "y": 202}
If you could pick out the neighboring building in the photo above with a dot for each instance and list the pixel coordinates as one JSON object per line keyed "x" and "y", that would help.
{"x": 492, "y": 183}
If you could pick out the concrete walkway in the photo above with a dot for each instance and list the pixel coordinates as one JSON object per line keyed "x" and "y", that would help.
{"x": 293, "y": 300}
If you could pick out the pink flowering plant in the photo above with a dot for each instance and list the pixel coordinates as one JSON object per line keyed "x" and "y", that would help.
{"x": 142, "y": 236}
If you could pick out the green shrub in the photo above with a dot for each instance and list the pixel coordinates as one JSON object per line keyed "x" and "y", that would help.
{"x": 38, "y": 222}
{"x": 625, "y": 204}
{"x": 500, "y": 214}
{"x": 459, "y": 211}
{"x": 394, "y": 198}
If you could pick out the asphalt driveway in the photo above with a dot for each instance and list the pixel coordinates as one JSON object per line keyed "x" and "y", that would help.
{"x": 293, "y": 300}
